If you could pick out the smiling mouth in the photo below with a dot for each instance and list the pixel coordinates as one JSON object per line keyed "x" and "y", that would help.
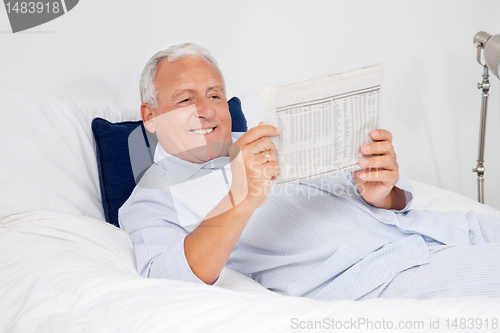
{"x": 203, "y": 131}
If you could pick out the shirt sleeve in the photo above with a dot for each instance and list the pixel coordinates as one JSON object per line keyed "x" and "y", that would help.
{"x": 409, "y": 191}
{"x": 158, "y": 241}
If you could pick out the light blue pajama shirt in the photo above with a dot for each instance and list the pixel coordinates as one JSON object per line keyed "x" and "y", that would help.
{"x": 317, "y": 239}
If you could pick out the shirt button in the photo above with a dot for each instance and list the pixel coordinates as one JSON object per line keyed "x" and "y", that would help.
{"x": 384, "y": 220}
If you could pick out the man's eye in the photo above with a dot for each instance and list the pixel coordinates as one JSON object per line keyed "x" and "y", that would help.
{"x": 185, "y": 100}
{"x": 215, "y": 96}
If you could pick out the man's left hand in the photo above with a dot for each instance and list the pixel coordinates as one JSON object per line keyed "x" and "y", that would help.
{"x": 380, "y": 173}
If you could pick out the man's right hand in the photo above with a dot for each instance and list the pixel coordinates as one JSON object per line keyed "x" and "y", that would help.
{"x": 251, "y": 169}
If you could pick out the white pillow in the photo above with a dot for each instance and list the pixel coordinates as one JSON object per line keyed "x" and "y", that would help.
{"x": 428, "y": 197}
{"x": 47, "y": 154}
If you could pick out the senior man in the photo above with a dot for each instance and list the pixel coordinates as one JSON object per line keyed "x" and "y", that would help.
{"x": 206, "y": 203}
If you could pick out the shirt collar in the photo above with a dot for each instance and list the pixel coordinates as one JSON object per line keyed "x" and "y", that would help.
{"x": 181, "y": 169}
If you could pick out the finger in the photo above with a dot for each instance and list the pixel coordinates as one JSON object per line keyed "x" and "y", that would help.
{"x": 262, "y": 144}
{"x": 271, "y": 170}
{"x": 388, "y": 177}
{"x": 382, "y": 162}
{"x": 256, "y": 133}
{"x": 378, "y": 148}
{"x": 381, "y": 135}
{"x": 264, "y": 159}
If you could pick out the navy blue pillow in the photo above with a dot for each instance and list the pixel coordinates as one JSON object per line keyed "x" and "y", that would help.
{"x": 117, "y": 143}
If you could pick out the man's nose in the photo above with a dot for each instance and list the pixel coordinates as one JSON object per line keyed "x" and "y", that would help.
{"x": 204, "y": 108}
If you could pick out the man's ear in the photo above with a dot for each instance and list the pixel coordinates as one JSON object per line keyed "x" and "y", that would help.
{"x": 147, "y": 117}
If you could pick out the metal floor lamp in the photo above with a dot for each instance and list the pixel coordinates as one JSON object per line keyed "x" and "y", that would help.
{"x": 490, "y": 47}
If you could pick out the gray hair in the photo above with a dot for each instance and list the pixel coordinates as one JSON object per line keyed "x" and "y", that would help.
{"x": 175, "y": 52}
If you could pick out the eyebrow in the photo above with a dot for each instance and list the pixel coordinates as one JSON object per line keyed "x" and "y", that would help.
{"x": 177, "y": 93}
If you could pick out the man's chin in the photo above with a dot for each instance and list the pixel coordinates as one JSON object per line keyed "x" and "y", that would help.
{"x": 205, "y": 153}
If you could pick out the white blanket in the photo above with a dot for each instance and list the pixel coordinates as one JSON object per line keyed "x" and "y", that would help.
{"x": 69, "y": 273}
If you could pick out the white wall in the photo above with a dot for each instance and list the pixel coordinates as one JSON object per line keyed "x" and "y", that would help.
{"x": 95, "y": 53}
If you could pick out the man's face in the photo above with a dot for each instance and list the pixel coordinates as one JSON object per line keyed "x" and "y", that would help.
{"x": 192, "y": 120}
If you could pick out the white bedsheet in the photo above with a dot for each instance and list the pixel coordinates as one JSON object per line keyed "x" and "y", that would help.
{"x": 69, "y": 273}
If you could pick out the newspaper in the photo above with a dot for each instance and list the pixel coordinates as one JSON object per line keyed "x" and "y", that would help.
{"x": 323, "y": 122}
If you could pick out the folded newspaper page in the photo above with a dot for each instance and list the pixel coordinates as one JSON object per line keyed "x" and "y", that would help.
{"x": 323, "y": 122}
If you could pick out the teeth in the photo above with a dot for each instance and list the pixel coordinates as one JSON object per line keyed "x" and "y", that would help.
{"x": 203, "y": 131}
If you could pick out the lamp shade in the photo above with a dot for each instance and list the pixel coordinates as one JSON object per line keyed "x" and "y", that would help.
{"x": 491, "y": 50}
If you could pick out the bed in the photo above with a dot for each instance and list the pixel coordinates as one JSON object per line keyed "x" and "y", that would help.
{"x": 63, "y": 268}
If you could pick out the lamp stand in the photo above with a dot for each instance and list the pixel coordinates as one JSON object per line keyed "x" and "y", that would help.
{"x": 479, "y": 169}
